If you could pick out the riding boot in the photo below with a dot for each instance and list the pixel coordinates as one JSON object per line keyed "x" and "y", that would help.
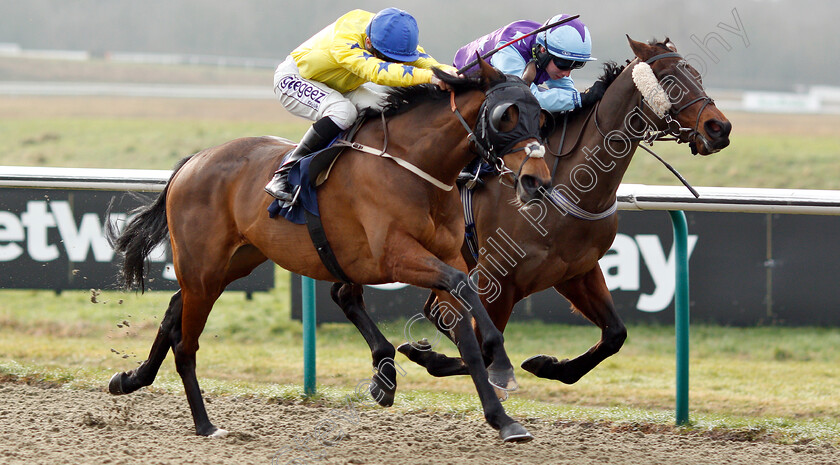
{"x": 316, "y": 138}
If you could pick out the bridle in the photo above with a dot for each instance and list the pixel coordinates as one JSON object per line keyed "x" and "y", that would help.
{"x": 487, "y": 141}
{"x": 673, "y": 132}
{"x": 677, "y": 132}
{"x": 680, "y": 134}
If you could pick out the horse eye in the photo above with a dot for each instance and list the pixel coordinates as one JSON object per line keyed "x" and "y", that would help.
{"x": 509, "y": 118}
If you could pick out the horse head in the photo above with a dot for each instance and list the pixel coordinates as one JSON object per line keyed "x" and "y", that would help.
{"x": 673, "y": 90}
{"x": 506, "y": 133}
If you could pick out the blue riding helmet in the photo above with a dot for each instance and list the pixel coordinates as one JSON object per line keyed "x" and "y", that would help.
{"x": 569, "y": 44}
{"x": 394, "y": 33}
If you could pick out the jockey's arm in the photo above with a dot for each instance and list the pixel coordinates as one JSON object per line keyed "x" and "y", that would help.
{"x": 556, "y": 95}
{"x": 426, "y": 61}
{"x": 508, "y": 61}
{"x": 350, "y": 55}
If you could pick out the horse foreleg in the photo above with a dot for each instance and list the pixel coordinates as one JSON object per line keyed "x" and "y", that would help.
{"x": 509, "y": 429}
{"x": 417, "y": 266}
{"x": 421, "y": 353}
{"x": 591, "y": 297}
{"x": 144, "y": 375}
{"x": 384, "y": 382}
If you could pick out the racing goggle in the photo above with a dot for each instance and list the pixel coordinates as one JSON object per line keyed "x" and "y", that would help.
{"x": 565, "y": 65}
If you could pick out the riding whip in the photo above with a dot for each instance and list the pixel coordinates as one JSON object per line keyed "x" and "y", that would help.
{"x": 535, "y": 31}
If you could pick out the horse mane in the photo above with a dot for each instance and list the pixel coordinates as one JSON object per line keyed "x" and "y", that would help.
{"x": 401, "y": 99}
{"x": 611, "y": 72}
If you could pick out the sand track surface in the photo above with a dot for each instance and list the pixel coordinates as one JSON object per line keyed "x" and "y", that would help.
{"x": 46, "y": 424}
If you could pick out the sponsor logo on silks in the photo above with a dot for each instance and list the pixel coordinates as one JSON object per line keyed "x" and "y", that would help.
{"x": 300, "y": 89}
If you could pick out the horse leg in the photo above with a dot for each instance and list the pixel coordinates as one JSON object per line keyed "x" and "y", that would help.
{"x": 144, "y": 375}
{"x": 589, "y": 295}
{"x": 415, "y": 265}
{"x": 196, "y": 308}
{"x": 436, "y": 364}
{"x": 509, "y": 429}
{"x": 384, "y": 382}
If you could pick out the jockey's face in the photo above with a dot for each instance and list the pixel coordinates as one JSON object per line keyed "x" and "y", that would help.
{"x": 556, "y": 73}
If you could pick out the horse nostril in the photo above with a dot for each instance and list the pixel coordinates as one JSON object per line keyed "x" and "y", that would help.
{"x": 727, "y": 128}
{"x": 718, "y": 129}
{"x": 529, "y": 184}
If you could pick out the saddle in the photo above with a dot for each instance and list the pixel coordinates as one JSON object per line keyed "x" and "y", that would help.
{"x": 305, "y": 177}
{"x": 311, "y": 172}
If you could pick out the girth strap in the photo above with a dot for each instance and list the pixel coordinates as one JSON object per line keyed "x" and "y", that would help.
{"x": 469, "y": 221}
{"x": 322, "y": 245}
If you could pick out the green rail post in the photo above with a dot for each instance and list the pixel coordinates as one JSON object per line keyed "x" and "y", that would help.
{"x": 307, "y": 286}
{"x": 681, "y": 307}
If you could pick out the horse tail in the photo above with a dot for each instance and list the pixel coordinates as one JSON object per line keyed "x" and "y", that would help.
{"x": 146, "y": 230}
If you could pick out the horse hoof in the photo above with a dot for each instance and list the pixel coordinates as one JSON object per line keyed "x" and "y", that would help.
{"x": 211, "y": 431}
{"x": 537, "y": 365}
{"x": 405, "y": 348}
{"x": 501, "y": 394}
{"x": 382, "y": 397}
{"x": 515, "y": 432}
{"x": 408, "y": 348}
{"x": 503, "y": 379}
{"x": 115, "y": 386}
{"x": 548, "y": 367}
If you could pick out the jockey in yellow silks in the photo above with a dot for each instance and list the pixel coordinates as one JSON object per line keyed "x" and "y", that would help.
{"x": 334, "y": 74}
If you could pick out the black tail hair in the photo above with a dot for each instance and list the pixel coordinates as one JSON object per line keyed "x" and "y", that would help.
{"x": 140, "y": 236}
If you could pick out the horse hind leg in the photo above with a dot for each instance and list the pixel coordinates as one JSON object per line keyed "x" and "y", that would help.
{"x": 383, "y": 385}
{"x": 421, "y": 353}
{"x": 144, "y": 375}
{"x": 196, "y": 309}
{"x": 201, "y": 284}
{"x": 589, "y": 295}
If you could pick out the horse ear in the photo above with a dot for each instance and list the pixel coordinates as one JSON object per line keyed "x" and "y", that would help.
{"x": 489, "y": 74}
{"x": 641, "y": 50}
{"x": 530, "y": 72}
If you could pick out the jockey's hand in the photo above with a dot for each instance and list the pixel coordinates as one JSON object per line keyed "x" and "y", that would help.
{"x": 438, "y": 82}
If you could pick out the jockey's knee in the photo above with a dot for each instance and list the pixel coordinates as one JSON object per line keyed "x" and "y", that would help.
{"x": 343, "y": 113}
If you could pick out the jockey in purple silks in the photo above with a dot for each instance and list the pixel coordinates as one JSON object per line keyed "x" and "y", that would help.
{"x": 557, "y": 52}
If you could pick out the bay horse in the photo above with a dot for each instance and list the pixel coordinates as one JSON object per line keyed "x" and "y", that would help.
{"x": 384, "y": 223}
{"x": 561, "y": 242}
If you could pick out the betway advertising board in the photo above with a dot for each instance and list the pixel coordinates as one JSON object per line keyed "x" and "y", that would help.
{"x": 745, "y": 269}
{"x": 54, "y": 239}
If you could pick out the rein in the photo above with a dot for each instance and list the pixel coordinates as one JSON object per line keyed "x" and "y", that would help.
{"x": 534, "y": 150}
{"x": 399, "y": 161}
{"x": 673, "y": 132}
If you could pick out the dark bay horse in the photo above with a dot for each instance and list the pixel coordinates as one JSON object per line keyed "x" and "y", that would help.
{"x": 560, "y": 243}
{"x": 384, "y": 223}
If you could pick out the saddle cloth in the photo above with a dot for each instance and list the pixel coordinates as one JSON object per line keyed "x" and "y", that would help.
{"x": 305, "y": 174}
